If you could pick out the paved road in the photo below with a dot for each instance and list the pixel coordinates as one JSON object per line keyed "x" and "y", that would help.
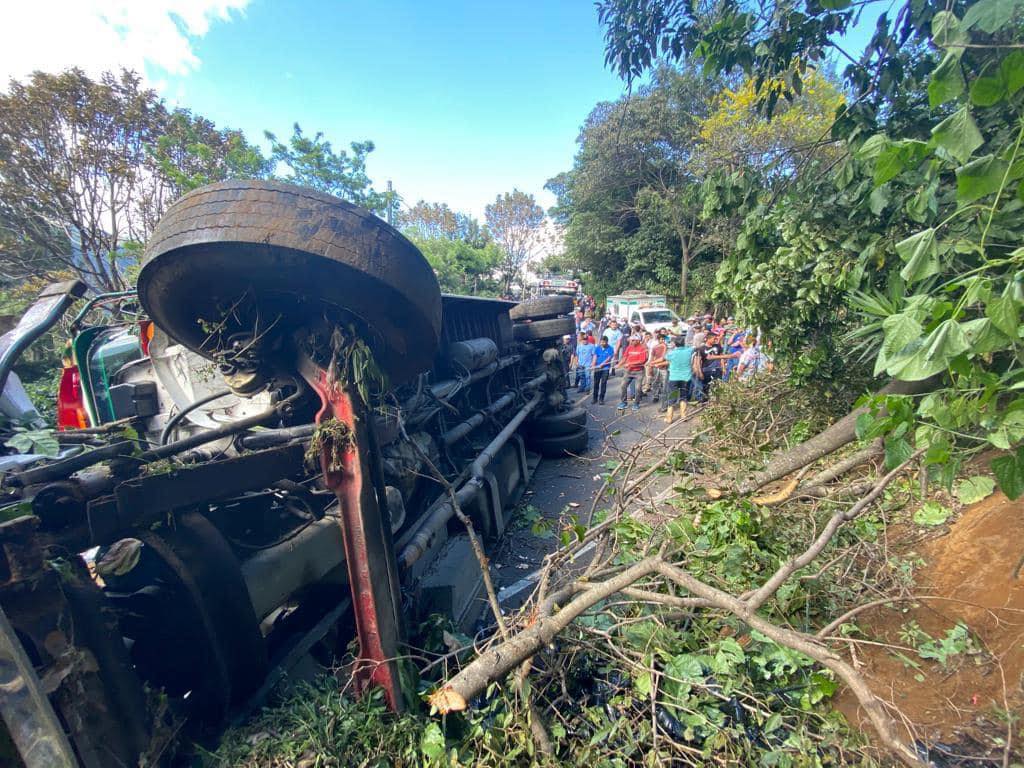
{"x": 558, "y": 484}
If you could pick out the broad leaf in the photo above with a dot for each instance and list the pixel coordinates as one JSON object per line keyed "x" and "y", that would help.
{"x": 946, "y": 33}
{"x": 931, "y": 513}
{"x": 984, "y": 337}
{"x": 946, "y": 342}
{"x": 1009, "y": 471}
{"x": 974, "y": 489}
{"x": 990, "y": 15}
{"x": 897, "y": 157}
{"x": 879, "y": 199}
{"x": 947, "y": 81}
{"x": 958, "y": 134}
{"x": 921, "y": 253}
{"x": 1012, "y": 69}
{"x": 979, "y": 178}
{"x": 900, "y": 330}
{"x": 897, "y": 450}
{"x": 986, "y": 91}
{"x": 1002, "y": 310}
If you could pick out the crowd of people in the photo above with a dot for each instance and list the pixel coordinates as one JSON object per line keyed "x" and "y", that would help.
{"x": 675, "y": 366}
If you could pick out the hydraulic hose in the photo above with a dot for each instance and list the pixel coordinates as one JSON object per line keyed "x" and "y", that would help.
{"x": 176, "y": 418}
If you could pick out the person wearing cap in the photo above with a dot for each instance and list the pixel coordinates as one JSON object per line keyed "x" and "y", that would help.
{"x": 633, "y": 359}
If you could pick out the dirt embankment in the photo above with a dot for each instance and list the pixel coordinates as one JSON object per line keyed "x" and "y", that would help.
{"x": 970, "y": 575}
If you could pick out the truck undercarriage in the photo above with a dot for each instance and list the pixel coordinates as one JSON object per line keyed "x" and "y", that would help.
{"x": 164, "y": 574}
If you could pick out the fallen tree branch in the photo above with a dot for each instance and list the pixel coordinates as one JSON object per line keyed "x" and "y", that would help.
{"x": 834, "y": 472}
{"x": 828, "y": 441}
{"x": 757, "y": 598}
{"x": 884, "y": 725}
{"x": 496, "y": 662}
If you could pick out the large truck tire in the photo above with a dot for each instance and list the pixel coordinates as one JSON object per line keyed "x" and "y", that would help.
{"x": 295, "y": 255}
{"x": 560, "y": 445}
{"x": 559, "y": 423}
{"x": 541, "y": 308}
{"x": 543, "y": 330}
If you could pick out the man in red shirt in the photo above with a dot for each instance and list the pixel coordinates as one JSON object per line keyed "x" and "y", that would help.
{"x": 634, "y": 359}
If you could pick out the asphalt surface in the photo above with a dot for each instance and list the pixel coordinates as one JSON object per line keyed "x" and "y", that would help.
{"x": 564, "y": 487}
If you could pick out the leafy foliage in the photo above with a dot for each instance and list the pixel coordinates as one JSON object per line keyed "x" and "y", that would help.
{"x": 514, "y": 221}
{"x": 921, "y": 201}
{"x": 312, "y": 161}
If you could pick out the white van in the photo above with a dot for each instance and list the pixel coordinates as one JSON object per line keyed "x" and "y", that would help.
{"x": 654, "y": 318}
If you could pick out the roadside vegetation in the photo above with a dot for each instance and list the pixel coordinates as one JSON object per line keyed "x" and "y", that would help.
{"x": 645, "y": 675}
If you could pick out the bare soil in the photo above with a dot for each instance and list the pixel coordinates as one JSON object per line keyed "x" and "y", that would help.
{"x": 971, "y": 575}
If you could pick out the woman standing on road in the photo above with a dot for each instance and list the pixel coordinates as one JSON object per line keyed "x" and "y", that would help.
{"x": 680, "y": 374}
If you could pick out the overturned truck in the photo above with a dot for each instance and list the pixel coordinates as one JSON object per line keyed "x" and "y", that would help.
{"x": 274, "y": 464}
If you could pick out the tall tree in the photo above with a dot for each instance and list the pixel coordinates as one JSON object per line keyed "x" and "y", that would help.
{"x": 87, "y": 167}
{"x": 437, "y": 221}
{"x": 914, "y": 229}
{"x": 311, "y": 161}
{"x": 72, "y": 162}
{"x": 514, "y": 220}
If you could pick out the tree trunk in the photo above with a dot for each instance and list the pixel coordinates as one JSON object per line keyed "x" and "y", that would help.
{"x": 684, "y": 271}
{"x": 830, "y": 440}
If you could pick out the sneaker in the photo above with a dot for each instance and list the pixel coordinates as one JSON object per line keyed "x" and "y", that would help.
{"x": 636, "y": 407}
{"x": 601, "y": 401}
{"x": 620, "y": 407}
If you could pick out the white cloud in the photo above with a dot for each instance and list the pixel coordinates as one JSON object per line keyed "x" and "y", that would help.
{"x": 98, "y": 35}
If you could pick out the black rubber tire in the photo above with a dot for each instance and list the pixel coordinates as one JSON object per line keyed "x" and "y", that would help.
{"x": 303, "y": 254}
{"x": 559, "y": 445}
{"x": 560, "y": 423}
{"x": 541, "y": 308}
{"x": 542, "y": 330}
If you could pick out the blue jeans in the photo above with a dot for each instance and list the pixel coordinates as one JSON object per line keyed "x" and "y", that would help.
{"x": 582, "y": 379}
{"x": 697, "y": 390}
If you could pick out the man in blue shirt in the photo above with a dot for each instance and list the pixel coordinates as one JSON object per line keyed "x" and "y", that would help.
{"x": 602, "y": 365}
{"x": 614, "y": 336}
{"x": 584, "y": 361}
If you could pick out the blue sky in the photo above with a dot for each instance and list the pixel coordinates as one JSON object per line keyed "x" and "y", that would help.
{"x": 464, "y": 100}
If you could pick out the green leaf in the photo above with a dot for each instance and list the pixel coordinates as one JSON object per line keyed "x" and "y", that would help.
{"x": 979, "y": 178}
{"x": 988, "y": 90}
{"x": 931, "y": 513}
{"x": 974, "y": 489}
{"x": 947, "y": 80}
{"x": 643, "y": 684}
{"x": 984, "y": 337}
{"x": 946, "y": 32}
{"x": 946, "y": 342}
{"x": 921, "y": 253}
{"x": 1012, "y": 69}
{"x": 1002, "y": 310}
{"x": 1009, "y": 471}
{"x": 896, "y": 157}
{"x": 958, "y": 134}
{"x": 879, "y": 199}
{"x": 900, "y": 330}
{"x": 872, "y": 146}
{"x": 990, "y": 15}
{"x": 897, "y": 450}
{"x": 432, "y": 742}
